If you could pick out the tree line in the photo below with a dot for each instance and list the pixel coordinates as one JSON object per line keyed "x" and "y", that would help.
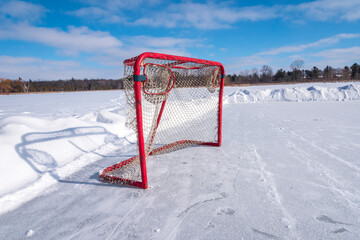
{"x": 254, "y": 76}
{"x": 296, "y": 74}
{"x": 18, "y": 86}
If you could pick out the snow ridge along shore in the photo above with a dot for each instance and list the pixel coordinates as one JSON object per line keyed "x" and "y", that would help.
{"x": 296, "y": 94}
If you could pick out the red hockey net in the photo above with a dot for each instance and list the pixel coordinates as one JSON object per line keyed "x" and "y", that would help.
{"x": 180, "y": 101}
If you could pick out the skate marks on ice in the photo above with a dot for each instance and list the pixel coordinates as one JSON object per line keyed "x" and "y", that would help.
{"x": 340, "y": 230}
{"x": 266, "y": 177}
{"x": 227, "y": 211}
{"x": 222, "y": 211}
{"x": 198, "y": 204}
{"x": 333, "y": 182}
{"x": 126, "y": 215}
{"x": 252, "y": 169}
{"x": 326, "y": 219}
{"x": 326, "y": 152}
{"x": 328, "y": 177}
{"x": 189, "y": 212}
{"x": 267, "y": 235}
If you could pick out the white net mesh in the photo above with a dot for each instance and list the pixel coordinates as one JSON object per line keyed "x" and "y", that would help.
{"x": 180, "y": 102}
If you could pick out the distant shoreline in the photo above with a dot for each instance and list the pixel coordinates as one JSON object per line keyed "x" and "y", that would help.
{"x": 287, "y": 83}
{"x": 226, "y": 85}
{"x": 23, "y": 93}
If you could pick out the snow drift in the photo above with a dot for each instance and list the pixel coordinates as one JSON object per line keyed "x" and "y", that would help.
{"x": 297, "y": 94}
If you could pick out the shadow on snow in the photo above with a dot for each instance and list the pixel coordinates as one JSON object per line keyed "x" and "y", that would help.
{"x": 56, "y": 153}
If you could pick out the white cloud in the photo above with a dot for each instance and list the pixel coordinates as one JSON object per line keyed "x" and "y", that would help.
{"x": 352, "y": 15}
{"x": 302, "y": 47}
{"x": 78, "y": 40}
{"x": 337, "y": 57}
{"x": 119, "y": 55}
{"x": 162, "y": 42}
{"x": 116, "y": 5}
{"x": 97, "y": 13}
{"x": 112, "y": 11}
{"x": 73, "y": 41}
{"x": 213, "y": 15}
{"x": 23, "y": 11}
{"x": 16, "y": 60}
{"x": 42, "y": 69}
{"x": 333, "y": 57}
{"x": 328, "y": 9}
{"x": 204, "y": 16}
{"x": 353, "y": 52}
{"x": 247, "y": 62}
{"x": 99, "y": 47}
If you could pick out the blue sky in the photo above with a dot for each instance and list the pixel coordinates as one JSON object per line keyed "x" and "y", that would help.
{"x": 60, "y": 39}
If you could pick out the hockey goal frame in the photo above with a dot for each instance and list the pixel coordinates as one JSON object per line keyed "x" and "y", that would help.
{"x": 138, "y": 65}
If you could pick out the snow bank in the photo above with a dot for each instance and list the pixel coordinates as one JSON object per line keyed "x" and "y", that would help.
{"x": 39, "y": 148}
{"x": 297, "y": 94}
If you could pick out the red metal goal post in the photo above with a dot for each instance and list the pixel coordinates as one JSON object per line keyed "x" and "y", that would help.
{"x": 173, "y": 102}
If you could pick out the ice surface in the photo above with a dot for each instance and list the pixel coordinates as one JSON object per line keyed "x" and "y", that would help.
{"x": 288, "y": 168}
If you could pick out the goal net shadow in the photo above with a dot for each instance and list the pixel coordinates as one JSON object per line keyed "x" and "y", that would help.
{"x": 73, "y": 155}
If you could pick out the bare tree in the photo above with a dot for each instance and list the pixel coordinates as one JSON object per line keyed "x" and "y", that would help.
{"x": 25, "y": 86}
{"x": 245, "y": 72}
{"x": 254, "y": 71}
{"x": 255, "y": 75}
{"x": 296, "y": 69}
{"x": 297, "y": 64}
{"x": 266, "y": 73}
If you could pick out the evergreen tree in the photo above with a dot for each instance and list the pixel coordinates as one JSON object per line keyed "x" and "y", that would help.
{"x": 280, "y": 75}
{"x": 346, "y": 75}
{"x": 315, "y": 72}
{"x": 328, "y": 72}
{"x": 355, "y": 71}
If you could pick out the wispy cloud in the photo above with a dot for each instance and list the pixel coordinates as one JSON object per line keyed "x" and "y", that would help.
{"x": 283, "y": 56}
{"x": 22, "y": 11}
{"x": 99, "y": 47}
{"x": 159, "y": 42}
{"x": 215, "y": 15}
{"x": 134, "y": 45}
{"x": 247, "y": 62}
{"x": 204, "y": 16}
{"x": 117, "y": 5}
{"x": 97, "y": 13}
{"x": 37, "y": 68}
{"x": 320, "y": 43}
{"x": 323, "y": 10}
{"x": 209, "y": 15}
{"x": 112, "y": 11}
{"x": 71, "y": 42}
{"x": 337, "y": 57}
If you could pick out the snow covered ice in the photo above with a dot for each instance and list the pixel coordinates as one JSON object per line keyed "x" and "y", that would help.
{"x": 288, "y": 168}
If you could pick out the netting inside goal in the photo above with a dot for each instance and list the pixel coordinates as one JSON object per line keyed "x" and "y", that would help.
{"x": 180, "y": 108}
